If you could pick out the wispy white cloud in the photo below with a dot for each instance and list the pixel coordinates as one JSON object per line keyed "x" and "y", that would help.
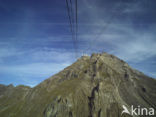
{"x": 39, "y": 65}
{"x": 136, "y": 50}
{"x": 50, "y": 54}
{"x": 135, "y": 7}
{"x": 125, "y": 41}
{"x": 32, "y": 65}
{"x": 8, "y": 52}
{"x": 40, "y": 69}
{"x": 100, "y": 29}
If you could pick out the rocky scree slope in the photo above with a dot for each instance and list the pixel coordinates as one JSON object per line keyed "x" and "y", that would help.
{"x": 95, "y": 86}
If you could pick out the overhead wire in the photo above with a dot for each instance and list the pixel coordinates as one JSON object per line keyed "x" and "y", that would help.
{"x": 76, "y": 23}
{"x": 71, "y": 22}
{"x": 74, "y": 19}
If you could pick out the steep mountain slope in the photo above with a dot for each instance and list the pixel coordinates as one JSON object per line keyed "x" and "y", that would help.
{"x": 95, "y": 86}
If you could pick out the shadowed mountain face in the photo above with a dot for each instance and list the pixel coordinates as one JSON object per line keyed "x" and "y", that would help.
{"x": 96, "y": 86}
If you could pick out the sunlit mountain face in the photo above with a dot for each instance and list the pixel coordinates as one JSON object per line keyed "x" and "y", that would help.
{"x": 100, "y": 85}
{"x": 36, "y": 40}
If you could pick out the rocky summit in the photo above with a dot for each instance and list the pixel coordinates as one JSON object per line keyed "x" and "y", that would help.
{"x": 100, "y": 85}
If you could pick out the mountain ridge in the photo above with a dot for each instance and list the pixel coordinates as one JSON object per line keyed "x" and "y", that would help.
{"x": 93, "y": 86}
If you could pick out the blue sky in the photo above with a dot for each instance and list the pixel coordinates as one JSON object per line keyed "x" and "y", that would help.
{"x": 35, "y": 39}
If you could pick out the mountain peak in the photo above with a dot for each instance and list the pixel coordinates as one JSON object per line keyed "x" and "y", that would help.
{"x": 94, "y": 86}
